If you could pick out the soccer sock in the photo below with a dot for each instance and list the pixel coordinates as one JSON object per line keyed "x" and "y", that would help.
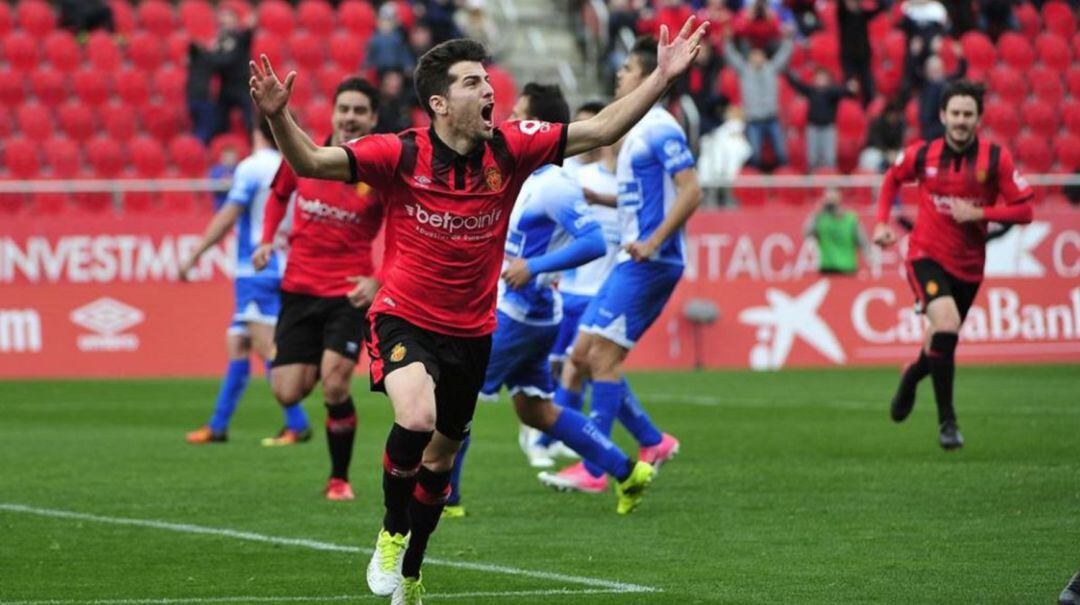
{"x": 340, "y": 434}
{"x": 636, "y": 419}
{"x": 425, "y": 507}
{"x": 564, "y": 398}
{"x": 585, "y": 438}
{"x": 401, "y": 461}
{"x": 455, "y": 474}
{"x": 607, "y": 398}
{"x": 942, "y": 371}
{"x": 295, "y": 417}
{"x": 232, "y": 388}
{"x": 915, "y": 372}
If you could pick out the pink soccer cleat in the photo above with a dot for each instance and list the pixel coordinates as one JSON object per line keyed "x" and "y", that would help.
{"x": 658, "y": 454}
{"x": 574, "y": 478}
{"x": 338, "y": 490}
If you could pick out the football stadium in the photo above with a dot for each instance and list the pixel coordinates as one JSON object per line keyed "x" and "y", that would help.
{"x": 539, "y": 301}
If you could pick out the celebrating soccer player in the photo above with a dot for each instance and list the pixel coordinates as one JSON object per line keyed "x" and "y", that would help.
{"x": 256, "y": 288}
{"x": 448, "y": 191}
{"x": 960, "y": 179}
{"x": 321, "y": 329}
{"x": 551, "y": 229}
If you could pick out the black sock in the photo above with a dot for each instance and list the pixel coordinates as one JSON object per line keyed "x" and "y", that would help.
{"x": 401, "y": 462}
{"x": 942, "y": 371}
{"x": 340, "y": 434}
{"x": 915, "y": 372}
{"x": 425, "y": 507}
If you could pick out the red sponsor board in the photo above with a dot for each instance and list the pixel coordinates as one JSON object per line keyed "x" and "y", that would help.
{"x": 100, "y": 297}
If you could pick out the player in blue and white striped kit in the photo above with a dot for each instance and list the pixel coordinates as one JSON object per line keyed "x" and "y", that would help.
{"x": 551, "y": 230}
{"x": 258, "y": 293}
{"x": 658, "y": 191}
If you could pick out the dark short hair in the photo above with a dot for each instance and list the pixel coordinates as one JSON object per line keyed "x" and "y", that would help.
{"x": 546, "y": 102}
{"x": 432, "y": 74}
{"x": 360, "y": 85}
{"x": 593, "y": 107}
{"x": 963, "y": 88}
{"x": 644, "y": 49}
{"x": 264, "y": 129}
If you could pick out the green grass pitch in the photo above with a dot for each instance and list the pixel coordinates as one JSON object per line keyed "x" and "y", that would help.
{"x": 791, "y": 487}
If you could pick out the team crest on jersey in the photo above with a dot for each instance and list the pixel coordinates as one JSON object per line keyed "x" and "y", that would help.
{"x": 493, "y": 178}
{"x": 931, "y": 287}
{"x": 362, "y": 188}
{"x": 397, "y": 353}
{"x": 980, "y": 176}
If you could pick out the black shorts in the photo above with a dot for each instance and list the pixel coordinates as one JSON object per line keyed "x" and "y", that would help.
{"x": 309, "y": 325}
{"x": 930, "y": 280}
{"x": 457, "y": 364}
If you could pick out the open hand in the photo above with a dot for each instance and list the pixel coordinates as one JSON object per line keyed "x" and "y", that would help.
{"x": 673, "y": 57}
{"x": 884, "y": 236}
{"x": 269, "y": 94}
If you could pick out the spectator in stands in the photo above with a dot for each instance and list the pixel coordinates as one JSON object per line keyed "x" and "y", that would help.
{"x": 81, "y": 16}
{"x": 924, "y": 22}
{"x": 720, "y": 19}
{"x": 853, "y": 19}
{"x": 439, "y": 16}
{"x": 961, "y": 15}
{"x": 474, "y": 22}
{"x": 724, "y": 151}
{"x": 232, "y": 50}
{"x": 823, "y": 97}
{"x": 202, "y": 67}
{"x": 387, "y": 49}
{"x": 394, "y": 108}
{"x": 759, "y": 81}
{"x": 884, "y": 139}
{"x": 840, "y": 236}
{"x": 804, "y": 13}
{"x": 420, "y": 39}
{"x": 930, "y": 126}
{"x": 758, "y": 27}
{"x": 700, "y": 84}
{"x": 996, "y": 17}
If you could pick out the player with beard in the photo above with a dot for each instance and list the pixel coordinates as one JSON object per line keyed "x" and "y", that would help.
{"x": 448, "y": 190}
{"x": 328, "y": 284}
{"x": 960, "y": 179}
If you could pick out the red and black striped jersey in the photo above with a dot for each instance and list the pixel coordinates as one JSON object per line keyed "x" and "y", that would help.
{"x": 979, "y": 174}
{"x": 447, "y": 217}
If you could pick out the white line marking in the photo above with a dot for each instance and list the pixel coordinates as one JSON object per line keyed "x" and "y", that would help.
{"x": 317, "y": 599}
{"x": 594, "y": 583}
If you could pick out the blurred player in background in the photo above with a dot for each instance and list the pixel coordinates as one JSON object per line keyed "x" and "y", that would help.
{"x": 257, "y": 289}
{"x": 329, "y": 283}
{"x": 960, "y": 179}
{"x": 658, "y": 191}
{"x": 448, "y": 191}
{"x": 551, "y": 229}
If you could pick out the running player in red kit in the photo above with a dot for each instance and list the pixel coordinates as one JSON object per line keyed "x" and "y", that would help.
{"x": 328, "y": 284}
{"x": 960, "y": 180}
{"x": 448, "y": 191}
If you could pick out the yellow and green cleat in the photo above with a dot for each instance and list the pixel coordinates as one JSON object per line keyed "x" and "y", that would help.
{"x": 632, "y": 489}
{"x": 409, "y": 592}
{"x": 384, "y": 569}
{"x": 455, "y": 511}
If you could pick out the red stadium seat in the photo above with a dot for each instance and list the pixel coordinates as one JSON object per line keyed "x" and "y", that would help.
{"x": 1072, "y": 78}
{"x": 979, "y": 50}
{"x": 123, "y": 16}
{"x": 729, "y": 85}
{"x": 318, "y": 114}
{"x": 1040, "y": 118}
{"x": 62, "y": 155}
{"x": 105, "y": 156}
{"x": 103, "y": 52}
{"x": 229, "y": 140}
{"x": 825, "y": 51}
{"x": 1067, "y": 148}
{"x": 303, "y": 91}
{"x": 48, "y": 85}
{"x": 157, "y": 17}
{"x": 1059, "y": 18}
{"x": 6, "y": 20}
{"x": 133, "y": 86}
{"x": 505, "y": 92}
{"x": 163, "y": 120}
{"x": 270, "y": 45}
{"x": 36, "y": 17}
{"x": 242, "y": 8}
{"x": 176, "y": 47}
{"x": 748, "y": 196}
{"x": 346, "y": 51}
{"x": 358, "y": 17}
{"x": 170, "y": 82}
{"x": 189, "y": 156}
{"x": 147, "y": 157}
{"x": 1053, "y": 51}
{"x": 1028, "y": 18}
{"x": 276, "y": 18}
{"x": 35, "y": 121}
{"x": 119, "y": 121}
{"x": 62, "y": 51}
{"x": 308, "y": 50}
{"x": 316, "y": 16}
{"x": 1070, "y": 115}
{"x": 1034, "y": 154}
{"x": 198, "y": 19}
{"x": 77, "y": 120}
{"x": 12, "y": 89}
{"x": 329, "y": 77}
{"x": 21, "y": 51}
{"x": 795, "y": 113}
{"x": 1002, "y": 120}
{"x": 7, "y": 125}
{"x": 21, "y": 158}
{"x": 91, "y": 86}
{"x": 1009, "y": 84}
{"x": 1049, "y": 90}
{"x": 850, "y": 120}
{"x": 796, "y": 151}
{"x": 146, "y": 51}
{"x": 1016, "y": 51}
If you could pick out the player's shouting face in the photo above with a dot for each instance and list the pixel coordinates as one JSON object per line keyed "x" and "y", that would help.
{"x": 960, "y": 117}
{"x": 469, "y": 102}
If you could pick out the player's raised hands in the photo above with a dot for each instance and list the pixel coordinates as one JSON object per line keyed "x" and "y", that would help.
{"x": 269, "y": 94}
{"x": 673, "y": 57}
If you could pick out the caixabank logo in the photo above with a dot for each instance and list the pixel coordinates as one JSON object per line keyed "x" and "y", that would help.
{"x": 787, "y": 319}
{"x": 108, "y": 318}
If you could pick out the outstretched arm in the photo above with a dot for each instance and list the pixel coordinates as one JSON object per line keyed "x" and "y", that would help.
{"x": 218, "y": 228}
{"x": 271, "y": 97}
{"x": 673, "y": 59}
